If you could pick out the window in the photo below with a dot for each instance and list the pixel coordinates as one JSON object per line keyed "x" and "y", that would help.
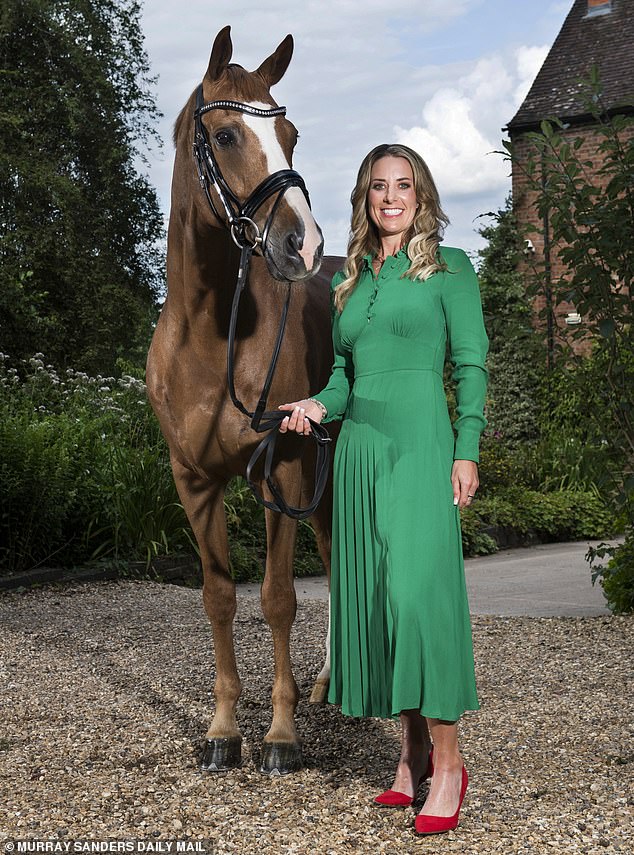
{"x": 598, "y": 7}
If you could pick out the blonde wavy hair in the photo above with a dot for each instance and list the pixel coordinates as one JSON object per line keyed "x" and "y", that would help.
{"x": 422, "y": 237}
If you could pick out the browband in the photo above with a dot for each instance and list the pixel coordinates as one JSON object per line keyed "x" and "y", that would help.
{"x": 240, "y": 108}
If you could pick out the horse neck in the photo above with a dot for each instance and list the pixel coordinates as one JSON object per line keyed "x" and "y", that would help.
{"x": 201, "y": 260}
{"x": 202, "y": 271}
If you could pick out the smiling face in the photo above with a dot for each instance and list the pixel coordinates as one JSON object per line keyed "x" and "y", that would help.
{"x": 391, "y": 196}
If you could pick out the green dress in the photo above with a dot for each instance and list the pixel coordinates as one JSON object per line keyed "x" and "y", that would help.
{"x": 401, "y": 632}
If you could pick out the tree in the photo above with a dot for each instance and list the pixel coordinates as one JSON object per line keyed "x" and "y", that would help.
{"x": 589, "y": 204}
{"x": 80, "y": 260}
{"x": 514, "y": 359}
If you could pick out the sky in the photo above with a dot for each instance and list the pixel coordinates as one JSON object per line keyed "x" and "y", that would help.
{"x": 442, "y": 76}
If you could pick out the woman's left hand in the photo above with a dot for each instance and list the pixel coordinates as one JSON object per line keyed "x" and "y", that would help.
{"x": 464, "y": 480}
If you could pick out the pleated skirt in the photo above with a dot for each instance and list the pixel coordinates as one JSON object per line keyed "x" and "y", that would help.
{"x": 401, "y": 632}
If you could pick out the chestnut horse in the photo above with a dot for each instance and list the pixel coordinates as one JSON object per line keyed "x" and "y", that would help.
{"x": 210, "y": 441}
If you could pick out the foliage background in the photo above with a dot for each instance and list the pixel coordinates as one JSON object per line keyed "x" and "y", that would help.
{"x": 85, "y": 477}
{"x": 586, "y": 410}
{"x": 81, "y": 261}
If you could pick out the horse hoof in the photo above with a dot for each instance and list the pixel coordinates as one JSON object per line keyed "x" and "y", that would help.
{"x": 280, "y": 758}
{"x": 221, "y": 754}
{"x": 319, "y": 692}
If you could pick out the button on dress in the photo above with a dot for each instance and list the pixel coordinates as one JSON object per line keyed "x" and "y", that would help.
{"x": 401, "y": 632}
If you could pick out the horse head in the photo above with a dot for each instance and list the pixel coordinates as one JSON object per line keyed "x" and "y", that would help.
{"x": 244, "y": 146}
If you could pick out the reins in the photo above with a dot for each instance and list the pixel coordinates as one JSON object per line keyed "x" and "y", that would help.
{"x": 245, "y": 233}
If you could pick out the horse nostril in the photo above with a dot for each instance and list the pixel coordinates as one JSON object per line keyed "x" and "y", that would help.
{"x": 293, "y": 244}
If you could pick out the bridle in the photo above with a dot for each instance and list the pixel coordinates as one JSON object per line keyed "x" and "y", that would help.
{"x": 245, "y": 233}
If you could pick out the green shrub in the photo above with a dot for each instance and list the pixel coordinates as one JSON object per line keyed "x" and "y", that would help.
{"x": 246, "y": 531}
{"x": 514, "y": 378}
{"x": 581, "y": 445}
{"x": 565, "y": 514}
{"x": 532, "y": 515}
{"x": 143, "y": 515}
{"x": 83, "y": 470}
{"x": 617, "y": 576}
{"x": 475, "y": 541}
{"x": 498, "y": 464}
{"x": 85, "y": 475}
{"x": 37, "y": 477}
{"x": 247, "y": 538}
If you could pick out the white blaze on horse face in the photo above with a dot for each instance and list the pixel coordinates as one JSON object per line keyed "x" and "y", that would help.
{"x": 264, "y": 129}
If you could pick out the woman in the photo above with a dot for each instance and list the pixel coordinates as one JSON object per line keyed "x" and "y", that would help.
{"x": 401, "y": 633}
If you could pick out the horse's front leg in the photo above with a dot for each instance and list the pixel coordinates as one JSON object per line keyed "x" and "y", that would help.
{"x": 281, "y": 751}
{"x": 204, "y": 506}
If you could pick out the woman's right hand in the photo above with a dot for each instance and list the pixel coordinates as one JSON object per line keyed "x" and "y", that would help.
{"x": 299, "y": 413}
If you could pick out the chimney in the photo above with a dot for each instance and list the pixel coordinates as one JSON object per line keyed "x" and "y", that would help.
{"x": 598, "y": 7}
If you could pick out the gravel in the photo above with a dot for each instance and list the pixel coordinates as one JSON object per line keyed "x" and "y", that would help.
{"x": 107, "y": 695}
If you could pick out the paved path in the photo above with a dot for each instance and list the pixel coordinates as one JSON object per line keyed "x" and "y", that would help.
{"x": 540, "y": 581}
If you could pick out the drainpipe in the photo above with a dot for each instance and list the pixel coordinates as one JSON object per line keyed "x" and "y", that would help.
{"x": 548, "y": 290}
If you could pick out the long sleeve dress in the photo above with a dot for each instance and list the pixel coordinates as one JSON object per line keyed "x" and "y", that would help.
{"x": 401, "y": 632}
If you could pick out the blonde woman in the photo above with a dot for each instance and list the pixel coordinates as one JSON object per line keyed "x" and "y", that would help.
{"x": 401, "y": 633}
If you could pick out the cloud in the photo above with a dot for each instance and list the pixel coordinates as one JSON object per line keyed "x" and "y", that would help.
{"x": 529, "y": 61}
{"x": 362, "y": 73}
{"x": 461, "y": 124}
{"x": 457, "y": 152}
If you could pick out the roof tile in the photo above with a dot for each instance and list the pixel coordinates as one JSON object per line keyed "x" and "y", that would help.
{"x": 606, "y": 40}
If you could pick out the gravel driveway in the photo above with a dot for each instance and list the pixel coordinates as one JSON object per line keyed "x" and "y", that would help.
{"x": 106, "y": 696}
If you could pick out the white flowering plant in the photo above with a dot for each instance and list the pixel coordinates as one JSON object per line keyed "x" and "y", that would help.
{"x": 84, "y": 471}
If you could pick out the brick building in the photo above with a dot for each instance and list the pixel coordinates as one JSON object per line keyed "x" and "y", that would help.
{"x": 595, "y": 32}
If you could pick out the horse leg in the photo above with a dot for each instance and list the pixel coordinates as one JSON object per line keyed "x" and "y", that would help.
{"x": 321, "y": 522}
{"x": 281, "y": 751}
{"x": 204, "y": 506}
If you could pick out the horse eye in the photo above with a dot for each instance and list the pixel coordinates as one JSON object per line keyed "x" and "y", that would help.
{"x": 224, "y": 138}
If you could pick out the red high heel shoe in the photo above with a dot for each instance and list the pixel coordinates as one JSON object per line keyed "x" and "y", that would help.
{"x": 426, "y": 824}
{"x": 392, "y": 798}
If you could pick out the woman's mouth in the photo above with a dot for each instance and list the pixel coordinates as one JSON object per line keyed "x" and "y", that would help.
{"x": 391, "y": 212}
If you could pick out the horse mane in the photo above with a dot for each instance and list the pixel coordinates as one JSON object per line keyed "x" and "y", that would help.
{"x": 244, "y": 85}
{"x": 182, "y": 116}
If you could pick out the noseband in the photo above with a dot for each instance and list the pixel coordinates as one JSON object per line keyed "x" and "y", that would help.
{"x": 245, "y": 233}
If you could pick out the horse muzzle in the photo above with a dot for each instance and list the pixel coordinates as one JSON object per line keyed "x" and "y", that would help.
{"x": 294, "y": 253}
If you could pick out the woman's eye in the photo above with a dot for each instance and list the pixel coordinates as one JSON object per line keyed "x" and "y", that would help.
{"x": 224, "y": 138}
{"x": 404, "y": 186}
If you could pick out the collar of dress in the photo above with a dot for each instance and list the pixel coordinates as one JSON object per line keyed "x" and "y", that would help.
{"x": 401, "y": 254}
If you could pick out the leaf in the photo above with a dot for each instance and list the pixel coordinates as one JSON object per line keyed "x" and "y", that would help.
{"x": 606, "y": 327}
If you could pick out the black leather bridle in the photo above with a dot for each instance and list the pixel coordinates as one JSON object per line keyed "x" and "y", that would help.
{"x": 245, "y": 233}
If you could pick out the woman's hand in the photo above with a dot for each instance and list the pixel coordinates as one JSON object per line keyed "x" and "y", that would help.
{"x": 464, "y": 480}
{"x": 300, "y": 412}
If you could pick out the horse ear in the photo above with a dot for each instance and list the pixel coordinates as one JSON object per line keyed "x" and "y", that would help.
{"x": 273, "y": 68}
{"x": 220, "y": 54}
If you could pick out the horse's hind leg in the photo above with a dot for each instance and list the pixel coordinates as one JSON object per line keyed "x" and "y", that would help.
{"x": 281, "y": 751}
{"x": 204, "y": 506}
